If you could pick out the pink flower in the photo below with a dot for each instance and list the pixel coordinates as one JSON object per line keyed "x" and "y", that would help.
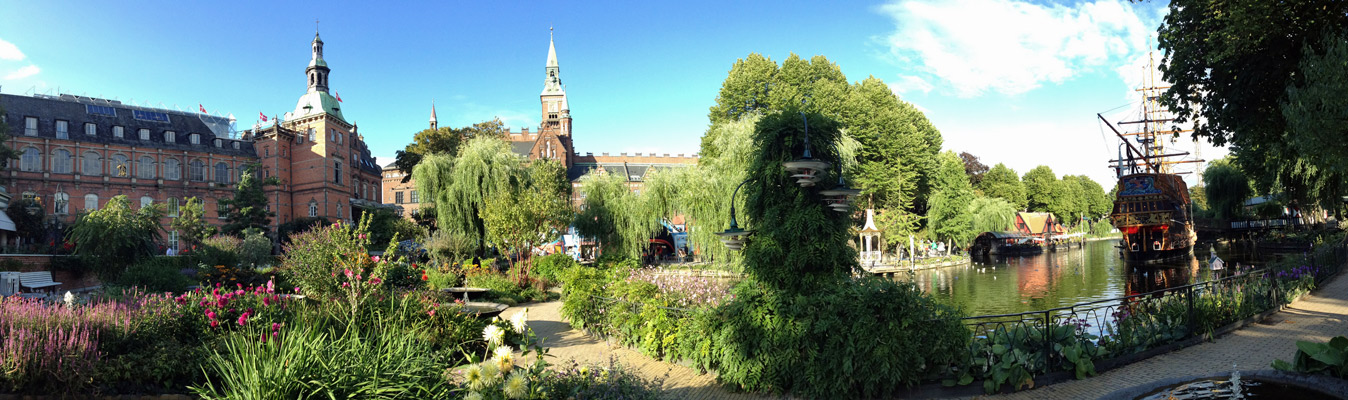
{"x": 375, "y": 281}
{"x": 243, "y": 319}
{"x": 215, "y": 324}
{"x": 357, "y": 276}
{"x": 275, "y": 326}
{"x": 362, "y": 236}
{"x": 431, "y": 313}
{"x": 346, "y": 284}
{"x": 375, "y": 258}
{"x": 348, "y": 273}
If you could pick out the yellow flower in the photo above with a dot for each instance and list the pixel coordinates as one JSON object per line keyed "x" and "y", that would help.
{"x": 473, "y": 396}
{"x": 490, "y": 373}
{"x": 472, "y": 375}
{"x": 517, "y": 386}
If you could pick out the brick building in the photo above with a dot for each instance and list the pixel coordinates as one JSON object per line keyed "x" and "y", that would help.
{"x": 77, "y": 152}
{"x": 552, "y": 140}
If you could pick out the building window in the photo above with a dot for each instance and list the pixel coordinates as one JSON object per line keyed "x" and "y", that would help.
{"x": 173, "y": 207}
{"x": 146, "y": 201}
{"x": 62, "y": 130}
{"x": 90, "y": 129}
{"x": 221, "y": 173}
{"x": 144, "y": 134}
{"x": 172, "y": 169}
{"x": 219, "y": 209}
{"x": 197, "y": 170}
{"x": 337, "y": 171}
{"x": 339, "y": 212}
{"x": 146, "y": 168}
{"x": 173, "y": 240}
{"x": 32, "y": 160}
{"x": 219, "y": 143}
{"x": 398, "y": 197}
{"x": 266, "y": 152}
{"x": 310, "y": 134}
{"x": 120, "y": 166}
{"x": 170, "y": 137}
{"x": 236, "y": 145}
{"x": 92, "y": 164}
{"x": 415, "y": 199}
{"x": 62, "y": 202}
{"x": 90, "y": 202}
{"x": 61, "y": 162}
{"x": 29, "y": 126}
{"x": 194, "y": 138}
{"x": 313, "y": 208}
{"x": 118, "y": 132}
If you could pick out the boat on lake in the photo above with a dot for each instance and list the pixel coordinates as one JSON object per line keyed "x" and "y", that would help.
{"x": 1151, "y": 204}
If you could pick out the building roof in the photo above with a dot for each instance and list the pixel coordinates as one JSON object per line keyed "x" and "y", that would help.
{"x": 317, "y": 102}
{"x": 78, "y": 110}
{"x": 1036, "y": 223}
{"x": 523, "y": 147}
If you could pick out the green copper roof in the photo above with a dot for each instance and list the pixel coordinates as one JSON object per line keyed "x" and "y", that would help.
{"x": 318, "y": 62}
{"x": 318, "y": 102}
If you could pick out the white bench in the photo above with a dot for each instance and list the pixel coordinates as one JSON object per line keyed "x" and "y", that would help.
{"x": 37, "y": 280}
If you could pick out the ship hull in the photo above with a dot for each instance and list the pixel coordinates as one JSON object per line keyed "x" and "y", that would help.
{"x": 1152, "y": 211}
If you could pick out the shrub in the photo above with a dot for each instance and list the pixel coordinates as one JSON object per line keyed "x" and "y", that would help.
{"x": 158, "y": 274}
{"x": 255, "y": 250}
{"x": 503, "y": 289}
{"x": 218, "y": 250}
{"x": 612, "y": 381}
{"x": 322, "y": 259}
{"x": 1319, "y": 358}
{"x": 117, "y": 236}
{"x": 821, "y": 344}
{"x": 550, "y": 266}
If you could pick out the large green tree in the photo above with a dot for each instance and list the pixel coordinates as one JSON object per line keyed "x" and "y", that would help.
{"x": 1003, "y": 182}
{"x": 443, "y": 140}
{"x": 535, "y": 210}
{"x": 1243, "y": 71}
{"x": 248, "y": 208}
{"x": 117, "y": 236}
{"x": 613, "y": 216}
{"x": 1227, "y": 188}
{"x": 898, "y": 145}
{"x": 948, "y": 216}
{"x": 991, "y": 214}
{"x": 6, "y": 153}
{"x": 460, "y": 186}
{"x": 1043, "y": 192}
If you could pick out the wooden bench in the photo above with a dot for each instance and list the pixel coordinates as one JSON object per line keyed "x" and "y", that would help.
{"x": 37, "y": 280}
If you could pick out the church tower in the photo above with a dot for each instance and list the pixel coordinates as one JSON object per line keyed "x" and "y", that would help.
{"x": 554, "y": 140}
{"x": 434, "y": 125}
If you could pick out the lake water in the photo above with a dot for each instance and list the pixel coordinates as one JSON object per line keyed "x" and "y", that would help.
{"x": 1002, "y": 285}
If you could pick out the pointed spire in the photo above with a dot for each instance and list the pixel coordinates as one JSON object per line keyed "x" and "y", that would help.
{"x": 434, "y": 125}
{"x": 552, "y": 83}
{"x": 552, "y": 50}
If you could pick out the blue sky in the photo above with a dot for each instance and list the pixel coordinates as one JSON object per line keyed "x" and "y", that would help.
{"x": 1009, "y": 81}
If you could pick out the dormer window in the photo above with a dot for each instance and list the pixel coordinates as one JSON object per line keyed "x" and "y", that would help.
{"x": 118, "y": 132}
{"x": 90, "y": 129}
{"x": 236, "y": 145}
{"x": 144, "y": 134}
{"x": 219, "y": 143}
{"x": 194, "y": 138}
{"x": 170, "y": 137}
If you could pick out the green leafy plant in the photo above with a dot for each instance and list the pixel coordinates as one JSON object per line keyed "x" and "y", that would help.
{"x": 1319, "y": 358}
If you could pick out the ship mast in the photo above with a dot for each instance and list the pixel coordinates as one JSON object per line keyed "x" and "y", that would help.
{"x": 1151, "y": 138}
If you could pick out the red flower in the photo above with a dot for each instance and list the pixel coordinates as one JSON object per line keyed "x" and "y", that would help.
{"x": 425, "y": 278}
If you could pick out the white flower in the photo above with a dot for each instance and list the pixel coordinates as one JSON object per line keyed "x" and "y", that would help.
{"x": 70, "y": 299}
{"x": 503, "y": 351}
{"x": 472, "y": 375}
{"x": 493, "y": 335}
{"x": 517, "y": 386}
{"x": 473, "y": 396}
{"x": 504, "y": 358}
{"x": 490, "y": 372}
{"x": 519, "y": 320}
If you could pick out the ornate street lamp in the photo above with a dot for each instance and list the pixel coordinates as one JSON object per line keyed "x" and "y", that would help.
{"x": 734, "y": 237}
{"x": 806, "y": 169}
{"x": 839, "y": 198}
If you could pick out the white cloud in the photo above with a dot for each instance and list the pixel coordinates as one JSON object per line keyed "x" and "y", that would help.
{"x": 8, "y": 51}
{"x": 24, "y": 72}
{"x": 1011, "y": 46}
{"x": 910, "y": 83}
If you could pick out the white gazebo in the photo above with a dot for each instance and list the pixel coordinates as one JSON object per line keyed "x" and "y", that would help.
{"x": 870, "y": 241}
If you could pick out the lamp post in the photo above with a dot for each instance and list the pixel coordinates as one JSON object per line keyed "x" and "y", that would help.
{"x": 839, "y": 198}
{"x": 734, "y": 237}
{"x": 805, "y": 169}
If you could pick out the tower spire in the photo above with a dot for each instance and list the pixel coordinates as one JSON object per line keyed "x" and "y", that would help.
{"x": 318, "y": 69}
{"x": 553, "y": 82}
{"x": 434, "y": 125}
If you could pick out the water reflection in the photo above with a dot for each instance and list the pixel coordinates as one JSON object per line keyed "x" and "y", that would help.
{"x": 1050, "y": 280}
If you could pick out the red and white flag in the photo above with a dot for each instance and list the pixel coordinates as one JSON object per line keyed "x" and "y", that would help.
{"x": 339, "y": 97}
{"x": 264, "y": 116}
{"x": 203, "y": 108}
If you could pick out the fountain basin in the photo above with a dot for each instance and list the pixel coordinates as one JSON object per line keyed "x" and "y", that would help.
{"x": 1261, "y": 384}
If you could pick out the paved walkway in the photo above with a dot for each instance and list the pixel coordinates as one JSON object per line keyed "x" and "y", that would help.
{"x": 1316, "y": 317}
{"x": 564, "y": 344}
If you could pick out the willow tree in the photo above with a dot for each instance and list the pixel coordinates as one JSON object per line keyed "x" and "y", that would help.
{"x": 948, "y": 215}
{"x": 535, "y": 209}
{"x": 614, "y": 216}
{"x": 460, "y": 186}
{"x": 991, "y": 214}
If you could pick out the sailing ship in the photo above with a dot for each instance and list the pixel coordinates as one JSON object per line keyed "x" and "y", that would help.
{"x": 1151, "y": 204}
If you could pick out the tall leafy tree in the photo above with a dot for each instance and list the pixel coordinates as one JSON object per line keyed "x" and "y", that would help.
{"x": 1227, "y": 188}
{"x": 1234, "y": 68}
{"x": 116, "y": 236}
{"x": 1316, "y": 112}
{"x": 191, "y": 223}
{"x": 949, "y": 217}
{"x": 248, "y": 208}
{"x": 1002, "y": 182}
{"x": 991, "y": 214}
{"x": 535, "y": 210}
{"x": 444, "y": 140}
{"x": 973, "y": 168}
{"x": 615, "y": 217}
{"x": 460, "y": 186}
{"x": 1042, "y": 190}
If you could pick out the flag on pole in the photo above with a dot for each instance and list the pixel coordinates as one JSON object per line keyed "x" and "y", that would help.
{"x": 264, "y": 116}
{"x": 339, "y": 97}
{"x": 203, "y": 108}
